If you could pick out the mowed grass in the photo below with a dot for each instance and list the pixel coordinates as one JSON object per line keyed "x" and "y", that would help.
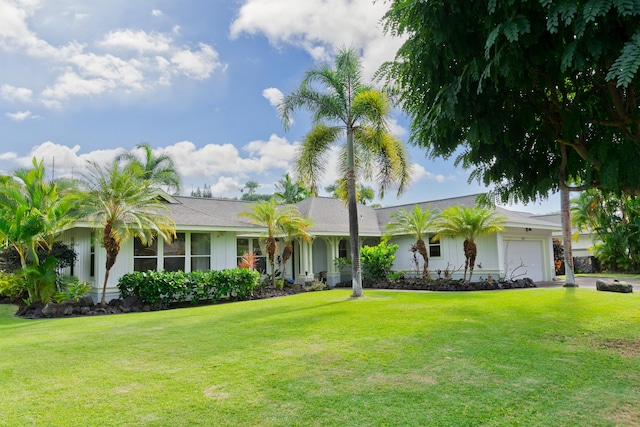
{"x": 535, "y": 357}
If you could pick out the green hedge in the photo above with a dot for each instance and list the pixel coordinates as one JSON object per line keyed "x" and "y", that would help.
{"x": 170, "y": 287}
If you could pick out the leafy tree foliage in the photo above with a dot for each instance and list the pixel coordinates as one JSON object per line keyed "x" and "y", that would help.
{"x": 342, "y": 106}
{"x": 378, "y": 260}
{"x": 364, "y": 193}
{"x": 531, "y": 94}
{"x": 615, "y": 220}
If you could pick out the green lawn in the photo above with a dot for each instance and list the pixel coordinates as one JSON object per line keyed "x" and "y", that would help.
{"x": 534, "y": 357}
{"x": 621, "y": 276}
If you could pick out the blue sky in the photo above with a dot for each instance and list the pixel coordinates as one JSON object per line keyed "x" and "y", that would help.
{"x": 198, "y": 79}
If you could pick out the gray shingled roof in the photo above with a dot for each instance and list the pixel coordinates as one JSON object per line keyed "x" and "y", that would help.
{"x": 330, "y": 215}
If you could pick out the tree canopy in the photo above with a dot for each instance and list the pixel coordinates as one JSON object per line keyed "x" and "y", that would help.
{"x": 529, "y": 94}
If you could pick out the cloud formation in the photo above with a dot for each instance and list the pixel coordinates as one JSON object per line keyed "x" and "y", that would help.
{"x": 320, "y": 27}
{"x": 122, "y": 61}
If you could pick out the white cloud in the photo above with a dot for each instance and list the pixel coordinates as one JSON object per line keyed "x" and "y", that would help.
{"x": 198, "y": 65}
{"x": 139, "y": 41}
{"x": 320, "y": 27}
{"x": 156, "y": 12}
{"x": 121, "y": 61}
{"x": 274, "y": 96}
{"x": 19, "y": 116}
{"x": 277, "y": 153}
{"x": 419, "y": 173}
{"x": 17, "y": 94}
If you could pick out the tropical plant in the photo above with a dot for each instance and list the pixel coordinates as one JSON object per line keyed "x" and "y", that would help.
{"x": 249, "y": 260}
{"x": 290, "y": 192}
{"x": 276, "y": 219}
{"x": 34, "y": 211}
{"x": 341, "y": 105}
{"x": 123, "y": 204}
{"x": 469, "y": 223}
{"x": 615, "y": 221}
{"x": 40, "y": 280}
{"x": 417, "y": 223}
{"x": 378, "y": 260}
{"x": 296, "y": 227}
{"x": 158, "y": 170}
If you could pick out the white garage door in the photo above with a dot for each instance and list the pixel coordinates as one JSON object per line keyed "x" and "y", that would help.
{"x": 523, "y": 258}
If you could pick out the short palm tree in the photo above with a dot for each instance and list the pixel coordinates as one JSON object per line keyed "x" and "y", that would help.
{"x": 277, "y": 219}
{"x": 469, "y": 223}
{"x": 418, "y": 223}
{"x": 296, "y": 227}
{"x": 123, "y": 204}
{"x": 341, "y": 105}
{"x": 156, "y": 169}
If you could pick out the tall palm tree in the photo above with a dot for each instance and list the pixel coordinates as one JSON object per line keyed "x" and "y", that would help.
{"x": 469, "y": 223}
{"x": 277, "y": 219}
{"x": 156, "y": 169}
{"x": 341, "y": 105}
{"x": 289, "y": 191}
{"x": 123, "y": 204}
{"x": 418, "y": 223}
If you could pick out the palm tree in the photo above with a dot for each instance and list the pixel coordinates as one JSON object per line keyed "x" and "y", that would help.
{"x": 418, "y": 223}
{"x": 156, "y": 169}
{"x": 364, "y": 194}
{"x": 469, "y": 223}
{"x": 277, "y": 219}
{"x": 123, "y": 204}
{"x": 342, "y": 105}
{"x": 289, "y": 191}
{"x": 33, "y": 211}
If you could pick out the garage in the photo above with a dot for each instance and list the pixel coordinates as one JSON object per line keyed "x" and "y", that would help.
{"x": 523, "y": 258}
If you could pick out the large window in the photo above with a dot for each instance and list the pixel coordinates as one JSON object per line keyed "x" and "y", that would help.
{"x": 200, "y": 251}
{"x": 145, "y": 257}
{"x": 434, "y": 247}
{"x": 174, "y": 253}
{"x": 252, "y": 245}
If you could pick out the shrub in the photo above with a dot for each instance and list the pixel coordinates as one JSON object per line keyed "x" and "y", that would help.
{"x": 377, "y": 260}
{"x": 12, "y": 286}
{"x": 169, "y": 287}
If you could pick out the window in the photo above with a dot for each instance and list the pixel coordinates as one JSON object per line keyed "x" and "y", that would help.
{"x": 200, "y": 251}
{"x": 434, "y": 247}
{"x": 343, "y": 249}
{"x": 174, "y": 253}
{"x": 252, "y": 245}
{"x": 145, "y": 257}
{"x": 92, "y": 267}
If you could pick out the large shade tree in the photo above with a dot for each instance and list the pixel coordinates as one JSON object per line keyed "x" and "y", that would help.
{"x": 533, "y": 95}
{"x": 343, "y": 108}
{"x": 123, "y": 204}
{"x": 279, "y": 221}
{"x": 418, "y": 223}
{"x": 469, "y": 223}
{"x": 157, "y": 169}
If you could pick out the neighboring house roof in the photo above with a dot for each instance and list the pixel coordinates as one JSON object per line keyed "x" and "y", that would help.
{"x": 329, "y": 215}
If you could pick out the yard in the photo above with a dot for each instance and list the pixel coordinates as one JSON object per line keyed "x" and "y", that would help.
{"x": 534, "y": 357}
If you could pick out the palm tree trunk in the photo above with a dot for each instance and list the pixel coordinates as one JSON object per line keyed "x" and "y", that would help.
{"x": 466, "y": 247}
{"x": 472, "y": 254}
{"x": 422, "y": 249}
{"x": 356, "y": 273}
{"x": 565, "y": 212}
{"x": 103, "y": 301}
